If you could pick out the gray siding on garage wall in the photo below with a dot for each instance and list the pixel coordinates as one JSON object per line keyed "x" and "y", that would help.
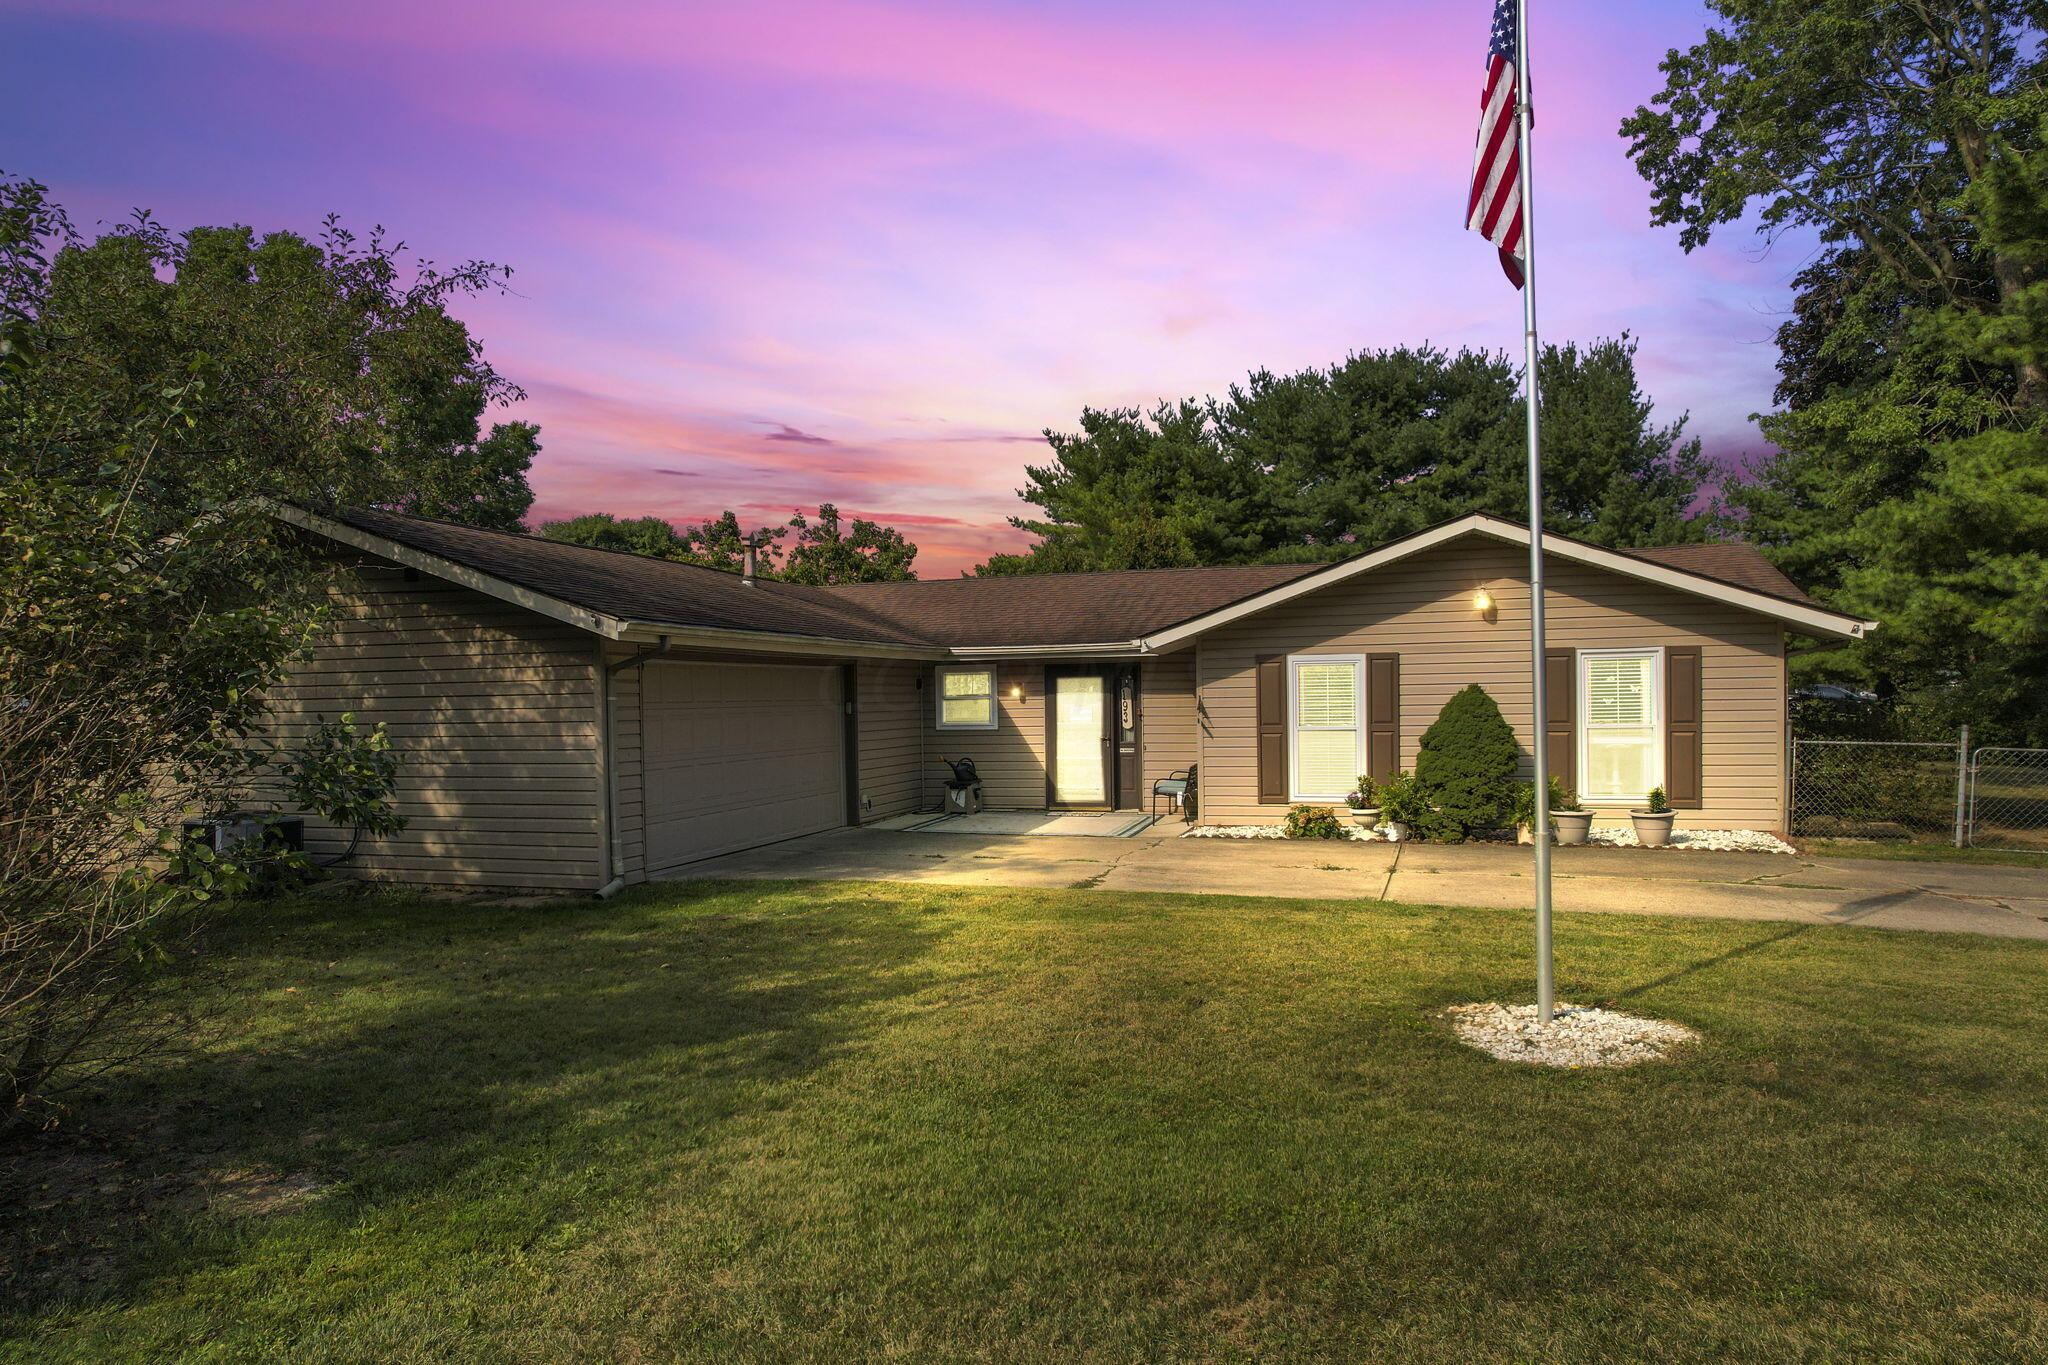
{"x": 493, "y": 712}
{"x": 888, "y": 711}
{"x": 1422, "y": 609}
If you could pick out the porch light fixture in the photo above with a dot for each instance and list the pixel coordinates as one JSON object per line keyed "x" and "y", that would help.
{"x": 1016, "y": 691}
{"x": 1482, "y": 601}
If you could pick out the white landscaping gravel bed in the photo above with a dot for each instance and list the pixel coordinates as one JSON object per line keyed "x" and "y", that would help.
{"x": 1576, "y": 1036}
{"x": 1351, "y": 832}
{"x": 1711, "y": 840}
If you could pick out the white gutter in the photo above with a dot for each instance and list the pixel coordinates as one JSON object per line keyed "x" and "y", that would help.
{"x": 773, "y": 642}
{"x": 1113, "y": 649}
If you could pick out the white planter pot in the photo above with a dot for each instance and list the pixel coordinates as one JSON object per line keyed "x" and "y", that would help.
{"x": 1652, "y": 830}
{"x": 1396, "y": 831}
{"x": 1572, "y": 825}
{"x": 1365, "y": 816}
{"x": 1524, "y": 834}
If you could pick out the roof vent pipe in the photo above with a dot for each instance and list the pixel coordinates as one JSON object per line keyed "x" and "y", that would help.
{"x": 747, "y": 559}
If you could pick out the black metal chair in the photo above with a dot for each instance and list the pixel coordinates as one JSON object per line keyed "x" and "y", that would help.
{"x": 1178, "y": 788}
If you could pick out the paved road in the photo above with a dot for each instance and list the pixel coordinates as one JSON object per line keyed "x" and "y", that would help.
{"x": 2010, "y": 902}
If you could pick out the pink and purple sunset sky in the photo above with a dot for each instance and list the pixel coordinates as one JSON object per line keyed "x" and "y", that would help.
{"x": 772, "y": 255}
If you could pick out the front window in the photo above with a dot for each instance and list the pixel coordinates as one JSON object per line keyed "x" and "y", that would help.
{"x": 1326, "y": 723}
{"x": 1621, "y": 755}
{"x": 967, "y": 699}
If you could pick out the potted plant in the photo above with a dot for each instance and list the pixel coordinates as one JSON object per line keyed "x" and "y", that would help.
{"x": 1402, "y": 805}
{"x": 1568, "y": 824}
{"x": 1363, "y": 811}
{"x": 1571, "y": 824}
{"x": 1653, "y": 826}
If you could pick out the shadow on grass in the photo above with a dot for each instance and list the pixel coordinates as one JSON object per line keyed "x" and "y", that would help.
{"x": 1789, "y": 931}
{"x": 403, "y": 1053}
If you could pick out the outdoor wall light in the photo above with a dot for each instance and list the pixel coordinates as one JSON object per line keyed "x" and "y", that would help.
{"x": 1016, "y": 691}
{"x": 1482, "y": 601}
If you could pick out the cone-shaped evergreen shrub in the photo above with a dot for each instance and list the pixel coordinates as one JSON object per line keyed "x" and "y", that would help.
{"x": 1467, "y": 767}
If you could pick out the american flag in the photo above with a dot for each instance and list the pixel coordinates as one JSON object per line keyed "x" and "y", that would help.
{"x": 1495, "y": 208}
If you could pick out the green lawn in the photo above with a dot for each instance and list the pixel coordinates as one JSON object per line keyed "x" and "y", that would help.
{"x": 827, "y": 1122}
{"x": 1902, "y": 851}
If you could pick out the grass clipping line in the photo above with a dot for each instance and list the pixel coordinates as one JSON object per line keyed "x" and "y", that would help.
{"x": 1576, "y": 1036}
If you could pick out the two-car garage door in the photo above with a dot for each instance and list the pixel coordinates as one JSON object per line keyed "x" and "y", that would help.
{"x": 739, "y": 755}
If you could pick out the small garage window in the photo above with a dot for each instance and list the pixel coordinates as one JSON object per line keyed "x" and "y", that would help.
{"x": 967, "y": 699}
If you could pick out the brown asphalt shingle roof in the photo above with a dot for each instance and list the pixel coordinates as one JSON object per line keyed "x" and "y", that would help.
{"x": 1048, "y": 610}
{"x": 1730, "y": 562}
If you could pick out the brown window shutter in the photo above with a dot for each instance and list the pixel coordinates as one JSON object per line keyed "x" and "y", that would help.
{"x": 1382, "y": 716}
{"x": 1561, "y": 716}
{"x": 1272, "y": 730}
{"x": 1683, "y": 715}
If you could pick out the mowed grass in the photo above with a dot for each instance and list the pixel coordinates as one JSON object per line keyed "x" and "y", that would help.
{"x": 831, "y": 1122}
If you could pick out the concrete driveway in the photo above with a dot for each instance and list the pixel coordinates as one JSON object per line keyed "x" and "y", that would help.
{"x": 2010, "y": 902}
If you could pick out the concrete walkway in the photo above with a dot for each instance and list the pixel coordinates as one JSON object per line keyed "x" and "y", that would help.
{"x": 2010, "y": 902}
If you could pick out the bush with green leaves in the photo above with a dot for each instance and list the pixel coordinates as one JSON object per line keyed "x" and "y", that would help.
{"x": 1312, "y": 822}
{"x": 346, "y": 775}
{"x": 1467, "y": 766}
{"x": 1402, "y": 801}
{"x": 1523, "y": 815}
{"x": 153, "y": 388}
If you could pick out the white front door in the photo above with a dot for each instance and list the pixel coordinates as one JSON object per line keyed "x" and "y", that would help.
{"x": 1080, "y": 705}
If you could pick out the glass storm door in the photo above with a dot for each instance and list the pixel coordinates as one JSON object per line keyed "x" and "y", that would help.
{"x": 1080, "y": 732}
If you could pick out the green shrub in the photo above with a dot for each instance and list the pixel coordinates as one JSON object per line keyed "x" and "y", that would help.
{"x": 1467, "y": 767}
{"x": 1524, "y": 811}
{"x": 1312, "y": 822}
{"x": 1402, "y": 801}
{"x": 1659, "y": 802}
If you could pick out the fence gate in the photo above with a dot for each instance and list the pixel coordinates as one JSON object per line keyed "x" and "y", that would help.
{"x": 2008, "y": 800}
{"x": 1875, "y": 789}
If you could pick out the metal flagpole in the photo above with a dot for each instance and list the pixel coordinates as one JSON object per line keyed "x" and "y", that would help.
{"x": 1539, "y": 718}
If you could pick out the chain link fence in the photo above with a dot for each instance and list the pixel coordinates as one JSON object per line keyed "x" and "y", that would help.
{"x": 2008, "y": 798}
{"x": 1874, "y": 789}
{"x": 1920, "y": 790}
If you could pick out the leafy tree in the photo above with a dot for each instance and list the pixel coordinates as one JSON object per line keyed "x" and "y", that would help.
{"x": 1314, "y": 464}
{"x": 1860, "y": 121}
{"x": 334, "y": 373}
{"x": 820, "y": 553}
{"x": 720, "y": 543}
{"x": 1908, "y": 479}
{"x": 1466, "y": 767}
{"x": 650, "y": 536}
{"x": 148, "y": 386}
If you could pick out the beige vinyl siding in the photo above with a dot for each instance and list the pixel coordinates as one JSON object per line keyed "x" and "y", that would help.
{"x": 1011, "y": 757}
{"x": 887, "y": 712}
{"x": 1167, "y": 684}
{"x": 493, "y": 713}
{"x": 1421, "y": 608}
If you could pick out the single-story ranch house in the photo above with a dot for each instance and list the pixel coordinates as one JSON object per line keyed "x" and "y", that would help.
{"x": 572, "y": 718}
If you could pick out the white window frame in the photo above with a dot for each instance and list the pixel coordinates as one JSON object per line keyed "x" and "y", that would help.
{"x": 1658, "y": 737}
{"x": 1294, "y": 663}
{"x": 939, "y": 721}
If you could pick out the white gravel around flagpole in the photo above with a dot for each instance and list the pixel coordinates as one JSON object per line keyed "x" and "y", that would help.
{"x": 1576, "y": 1036}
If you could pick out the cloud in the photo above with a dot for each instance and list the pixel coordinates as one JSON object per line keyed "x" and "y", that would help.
{"x": 785, "y": 432}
